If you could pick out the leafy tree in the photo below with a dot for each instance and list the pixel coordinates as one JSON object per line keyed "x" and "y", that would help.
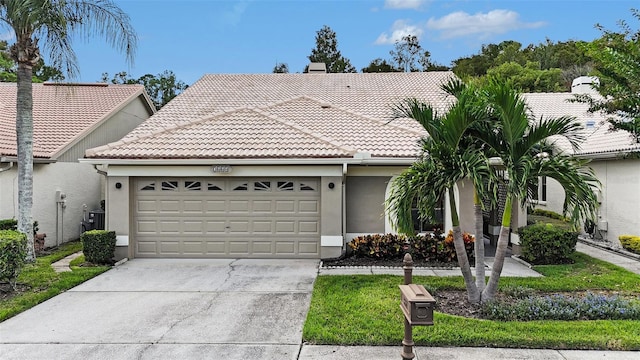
{"x": 617, "y": 63}
{"x": 529, "y": 78}
{"x": 281, "y": 68}
{"x": 326, "y": 51}
{"x": 161, "y": 88}
{"x": 56, "y": 22}
{"x": 8, "y": 68}
{"x": 379, "y": 65}
{"x": 408, "y": 55}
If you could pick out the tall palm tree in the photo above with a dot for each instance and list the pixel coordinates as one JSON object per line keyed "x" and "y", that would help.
{"x": 54, "y": 22}
{"x": 522, "y": 143}
{"x": 448, "y": 157}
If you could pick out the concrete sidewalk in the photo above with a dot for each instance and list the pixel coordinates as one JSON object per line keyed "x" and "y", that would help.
{"x": 326, "y": 352}
{"x": 630, "y": 264}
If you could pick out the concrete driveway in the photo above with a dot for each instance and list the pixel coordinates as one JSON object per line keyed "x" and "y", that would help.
{"x": 171, "y": 309}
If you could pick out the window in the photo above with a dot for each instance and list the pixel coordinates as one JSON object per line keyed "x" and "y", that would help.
{"x": 241, "y": 187}
{"x": 214, "y": 187}
{"x": 426, "y": 225}
{"x": 285, "y": 186}
{"x": 150, "y": 186}
{"x": 169, "y": 185}
{"x": 306, "y": 187}
{"x": 538, "y": 190}
{"x": 543, "y": 188}
{"x": 262, "y": 186}
{"x": 192, "y": 185}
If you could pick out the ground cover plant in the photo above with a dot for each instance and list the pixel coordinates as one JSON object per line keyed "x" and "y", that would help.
{"x": 364, "y": 310}
{"x": 38, "y": 281}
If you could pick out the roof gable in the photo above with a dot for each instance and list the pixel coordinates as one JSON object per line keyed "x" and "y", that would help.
{"x": 62, "y": 113}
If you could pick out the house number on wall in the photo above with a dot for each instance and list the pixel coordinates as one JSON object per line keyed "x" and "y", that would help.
{"x": 221, "y": 168}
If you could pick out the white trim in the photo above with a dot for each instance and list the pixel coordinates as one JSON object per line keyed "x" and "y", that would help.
{"x": 283, "y": 161}
{"x": 331, "y": 240}
{"x": 355, "y": 170}
{"x": 122, "y": 240}
{"x": 237, "y": 171}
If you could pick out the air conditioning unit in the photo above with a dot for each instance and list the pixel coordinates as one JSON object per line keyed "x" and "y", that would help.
{"x": 96, "y": 219}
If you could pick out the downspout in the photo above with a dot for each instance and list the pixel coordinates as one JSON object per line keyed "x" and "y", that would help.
{"x": 344, "y": 205}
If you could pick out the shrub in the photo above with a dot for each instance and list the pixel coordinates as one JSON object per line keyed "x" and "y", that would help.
{"x": 561, "y": 307}
{"x": 435, "y": 247}
{"x": 549, "y": 214}
{"x": 378, "y": 246}
{"x": 99, "y": 246}
{"x": 630, "y": 243}
{"x": 13, "y": 252}
{"x": 518, "y": 292}
{"x": 12, "y": 224}
{"x": 547, "y": 244}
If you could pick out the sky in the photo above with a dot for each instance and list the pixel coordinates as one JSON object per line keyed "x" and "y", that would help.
{"x": 195, "y": 37}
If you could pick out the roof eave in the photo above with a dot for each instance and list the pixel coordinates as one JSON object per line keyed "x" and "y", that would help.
{"x": 278, "y": 161}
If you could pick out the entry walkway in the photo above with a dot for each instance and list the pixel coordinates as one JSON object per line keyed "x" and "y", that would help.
{"x": 630, "y": 264}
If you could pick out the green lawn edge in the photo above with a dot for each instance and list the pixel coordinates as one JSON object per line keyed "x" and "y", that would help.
{"x": 365, "y": 310}
{"x": 45, "y": 283}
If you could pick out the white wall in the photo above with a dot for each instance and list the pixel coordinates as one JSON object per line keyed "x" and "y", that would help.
{"x": 620, "y": 196}
{"x": 81, "y": 184}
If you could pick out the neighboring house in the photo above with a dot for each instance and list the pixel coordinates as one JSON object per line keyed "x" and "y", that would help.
{"x": 267, "y": 165}
{"x": 614, "y": 159}
{"x": 67, "y": 120}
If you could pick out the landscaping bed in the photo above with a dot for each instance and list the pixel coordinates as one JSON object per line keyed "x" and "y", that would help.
{"x": 364, "y": 310}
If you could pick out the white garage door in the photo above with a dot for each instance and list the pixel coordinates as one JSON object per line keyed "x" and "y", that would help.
{"x": 213, "y": 217}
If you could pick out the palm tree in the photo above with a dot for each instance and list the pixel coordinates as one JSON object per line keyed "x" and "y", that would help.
{"x": 522, "y": 144}
{"x": 54, "y": 21}
{"x": 448, "y": 157}
{"x": 492, "y": 121}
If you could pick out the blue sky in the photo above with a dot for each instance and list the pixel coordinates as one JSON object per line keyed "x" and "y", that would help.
{"x": 194, "y": 37}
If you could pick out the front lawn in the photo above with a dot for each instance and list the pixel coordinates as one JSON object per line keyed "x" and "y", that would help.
{"x": 365, "y": 310}
{"x": 39, "y": 282}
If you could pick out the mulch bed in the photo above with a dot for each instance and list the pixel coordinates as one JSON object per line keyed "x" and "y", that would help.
{"x": 363, "y": 261}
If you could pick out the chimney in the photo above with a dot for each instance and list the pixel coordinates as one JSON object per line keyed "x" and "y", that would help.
{"x": 585, "y": 85}
{"x": 317, "y": 68}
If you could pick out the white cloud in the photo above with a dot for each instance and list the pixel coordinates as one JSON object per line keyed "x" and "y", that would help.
{"x": 399, "y": 29}
{"x": 494, "y": 22}
{"x": 403, "y": 4}
{"x": 234, "y": 15}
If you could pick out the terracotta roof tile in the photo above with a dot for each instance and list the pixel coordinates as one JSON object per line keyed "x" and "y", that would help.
{"x": 61, "y": 113}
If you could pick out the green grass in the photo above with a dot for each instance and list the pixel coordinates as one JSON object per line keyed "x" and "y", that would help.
{"x": 44, "y": 283}
{"x": 365, "y": 310}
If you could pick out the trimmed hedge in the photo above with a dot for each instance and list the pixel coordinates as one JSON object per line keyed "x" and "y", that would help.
{"x": 12, "y": 224}
{"x": 99, "y": 246}
{"x": 13, "y": 252}
{"x": 544, "y": 244}
{"x": 630, "y": 243}
{"x": 550, "y": 214}
{"x": 433, "y": 247}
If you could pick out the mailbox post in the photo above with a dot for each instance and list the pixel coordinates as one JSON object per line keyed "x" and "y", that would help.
{"x": 417, "y": 306}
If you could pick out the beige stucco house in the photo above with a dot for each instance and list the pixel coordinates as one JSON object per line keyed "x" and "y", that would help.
{"x": 67, "y": 120}
{"x": 265, "y": 165}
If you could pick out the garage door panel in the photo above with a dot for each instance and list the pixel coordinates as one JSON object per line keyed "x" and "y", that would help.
{"x": 309, "y": 227}
{"x": 266, "y": 217}
{"x": 169, "y": 206}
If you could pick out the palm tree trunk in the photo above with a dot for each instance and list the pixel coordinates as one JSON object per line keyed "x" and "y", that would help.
{"x": 24, "y": 133}
{"x": 463, "y": 261}
{"x": 479, "y": 243}
{"x": 501, "y": 250}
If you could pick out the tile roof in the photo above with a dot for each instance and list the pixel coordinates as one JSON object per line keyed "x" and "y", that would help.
{"x": 598, "y": 138}
{"x": 310, "y": 116}
{"x": 297, "y": 128}
{"x": 62, "y": 113}
{"x": 335, "y": 115}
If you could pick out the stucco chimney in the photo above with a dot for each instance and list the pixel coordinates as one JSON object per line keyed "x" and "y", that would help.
{"x": 317, "y": 68}
{"x": 585, "y": 85}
